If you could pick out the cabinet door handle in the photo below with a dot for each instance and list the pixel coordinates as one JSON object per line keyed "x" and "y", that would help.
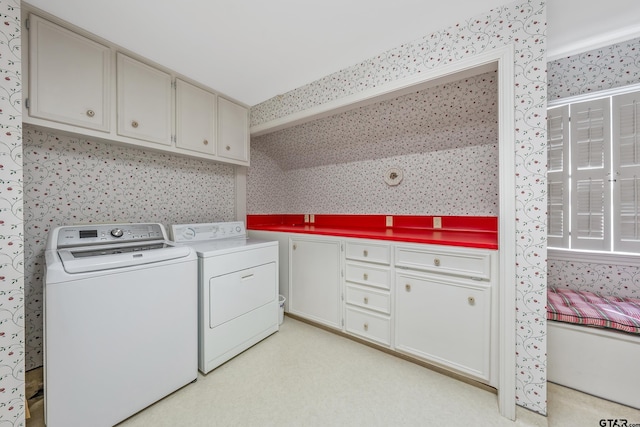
{"x": 472, "y": 301}
{"x": 228, "y": 147}
{"x": 365, "y": 253}
{"x": 295, "y": 246}
{"x": 366, "y": 327}
{"x": 366, "y": 300}
{"x": 365, "y": 276}
{"x": 134, "y": 124}
{"x": 91, "y": 113}
{"x": 407, "y": 287}
{"x": 205, "y": 142}
{"x": 436, "y": 262}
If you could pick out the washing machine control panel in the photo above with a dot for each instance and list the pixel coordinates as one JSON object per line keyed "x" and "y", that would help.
{"x": 208, "y": 231}
{"x": 98, "y": 234}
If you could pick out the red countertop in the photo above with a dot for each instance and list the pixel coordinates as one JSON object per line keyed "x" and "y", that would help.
{"x": 467, "y": 231}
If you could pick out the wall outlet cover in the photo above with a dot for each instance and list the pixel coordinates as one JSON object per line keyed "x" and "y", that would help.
{"x": 437, "y": 222}
{"x": 306, "y": 218}
{"x": 312, "y": 218}
{"x": 389, "y": 221}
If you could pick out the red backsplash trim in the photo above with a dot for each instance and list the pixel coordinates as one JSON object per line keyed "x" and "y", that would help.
{"x": 459, "y": 223}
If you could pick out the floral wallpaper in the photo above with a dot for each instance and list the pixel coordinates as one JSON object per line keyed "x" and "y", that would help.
{"x": 605, "y": 68}
{"x": 599, "y": 278}
{"x": 454, "y": 115}
{"x": 443, "y": 138}
{"x": 12, "y": 348}
{"x": 609, "y": 67}
{"x": 73, "y": 180}
{"x": 457, "y": 181}
{"x": 521, "y": 24}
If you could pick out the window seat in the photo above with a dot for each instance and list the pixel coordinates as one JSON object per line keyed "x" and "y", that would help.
{"x": 587, "y": 308}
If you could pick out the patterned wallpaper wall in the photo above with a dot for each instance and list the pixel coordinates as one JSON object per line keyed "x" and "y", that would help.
{"x": 457, "y": 181}
{"x": 600, "y": 69}
{"x": 609, "y": 67}
{"x": 443, "y": 138}
{"x": 454, "y": 115}
{"x": 599, "y": 278}
{"x": 12, "y": 349}
{"x": 521, "y": 24}
{"x": 74, "y": 180}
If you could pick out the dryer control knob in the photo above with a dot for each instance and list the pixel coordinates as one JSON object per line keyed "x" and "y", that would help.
{"x": 117, "y": 232}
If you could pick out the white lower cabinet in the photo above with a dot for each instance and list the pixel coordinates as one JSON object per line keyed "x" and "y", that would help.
{"x": 434, "y": 303}
{"x": 368, "y": 290}
{"x": 447, "y": 321}
{"x": 369, "y": 325}
{"x": 315, "y": 280}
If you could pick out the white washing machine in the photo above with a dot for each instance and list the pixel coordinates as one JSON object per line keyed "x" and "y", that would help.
{"x": 237, "y": 289}
{"x": 120, "y": 321}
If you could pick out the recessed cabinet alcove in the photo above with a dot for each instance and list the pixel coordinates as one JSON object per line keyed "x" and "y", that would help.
{"x": 329, "y": 139}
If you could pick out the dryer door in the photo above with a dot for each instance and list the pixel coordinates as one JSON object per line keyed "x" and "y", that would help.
{"x": 234, "y": 294}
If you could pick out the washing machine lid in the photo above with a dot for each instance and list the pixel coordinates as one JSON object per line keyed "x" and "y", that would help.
{"x": 96, "y": 247}
{"x": 108, "y": 257}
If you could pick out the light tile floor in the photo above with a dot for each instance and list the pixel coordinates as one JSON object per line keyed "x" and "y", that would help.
{"x": 305, "y": 376}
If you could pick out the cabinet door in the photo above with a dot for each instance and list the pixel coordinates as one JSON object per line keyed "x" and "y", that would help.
{"x": 233, "y": 130}
{"x": 447, "y": 322}
{"x": 144, "y": 101}
{"x": 315, "y": 280}
{"x": 68, "y": 77}
{"x": 195, "y": 118}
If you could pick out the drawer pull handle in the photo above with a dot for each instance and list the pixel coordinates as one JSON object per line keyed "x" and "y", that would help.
{"x": 407, "y": 287}
{"x": 366, "y": 327}
{"x": 91, "y": 113}
{"x": 134, "y": 124}
{"x": 295, "y": 246}
{"x": 472, "y": 301}
{"x": 228, "y": 147}
{"x": 365, "y": 253}
{"x": 248, "y": 276}
{"x": 365, "y": 276}
{"x": 366, "y": 300}
{"x": 436, "y": 262}
{"x": 205, "y": 142}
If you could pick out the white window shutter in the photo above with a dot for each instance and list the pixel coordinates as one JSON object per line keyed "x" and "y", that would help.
{"x": 590, "y": 167}
{"x": 557, "y": 177}
{"x": 626, "y": 160}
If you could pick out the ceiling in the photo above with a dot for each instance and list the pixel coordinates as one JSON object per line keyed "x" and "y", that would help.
{"x": 252, "y": 50}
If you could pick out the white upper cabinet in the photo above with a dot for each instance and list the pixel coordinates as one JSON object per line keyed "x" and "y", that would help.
{"x": 144, "y": 101}
{"x": 195, "y": 118}
{"x": 233, "y": 130}
{"x": 84, "y": 85}
{"x": 68, "y": 76}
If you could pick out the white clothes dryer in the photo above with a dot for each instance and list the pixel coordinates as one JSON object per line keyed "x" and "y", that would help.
{"x": 237, "y": 289}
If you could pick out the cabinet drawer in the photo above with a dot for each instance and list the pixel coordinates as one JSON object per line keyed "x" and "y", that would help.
{"x": 369, "y": 298}
{"x": 460, "y": 262}
{"x": 374, "y": 327}
{"x": 369, "y": 252}
{"x": 370, "y": 275}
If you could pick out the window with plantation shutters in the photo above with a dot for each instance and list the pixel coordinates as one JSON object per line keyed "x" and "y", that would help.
{"x": 593, "y": 150}
{"x": 557, "y": 175}
{"x": 590, "y": 139}
{"x": 626, "y": 160}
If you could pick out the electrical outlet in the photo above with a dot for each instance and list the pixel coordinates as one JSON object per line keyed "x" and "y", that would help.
{"x": 312, "y": 218}
{"x": 389, "y": 221}
{"x": 306, "y": 218}
{"x": 437, "y": 222}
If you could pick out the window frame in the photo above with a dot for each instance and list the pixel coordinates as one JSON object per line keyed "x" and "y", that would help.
{"x": 564, "y": 245}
